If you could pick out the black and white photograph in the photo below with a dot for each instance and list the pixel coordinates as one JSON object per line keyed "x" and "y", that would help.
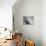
{"x": 28, "y": 20}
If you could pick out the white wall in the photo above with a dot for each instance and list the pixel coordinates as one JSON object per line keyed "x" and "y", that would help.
{"x": 29, "y": 8}
{"x": 6, "y": 13}
{"x": 43, "y": 22}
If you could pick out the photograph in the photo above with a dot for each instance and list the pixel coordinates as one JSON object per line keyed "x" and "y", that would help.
{"x": 28, "y": 20}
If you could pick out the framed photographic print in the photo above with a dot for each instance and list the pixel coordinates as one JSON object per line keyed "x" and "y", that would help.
{"x": 28, "y": 20}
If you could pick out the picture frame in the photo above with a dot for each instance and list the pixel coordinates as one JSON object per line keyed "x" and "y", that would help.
{"x": 28, "y": 20}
